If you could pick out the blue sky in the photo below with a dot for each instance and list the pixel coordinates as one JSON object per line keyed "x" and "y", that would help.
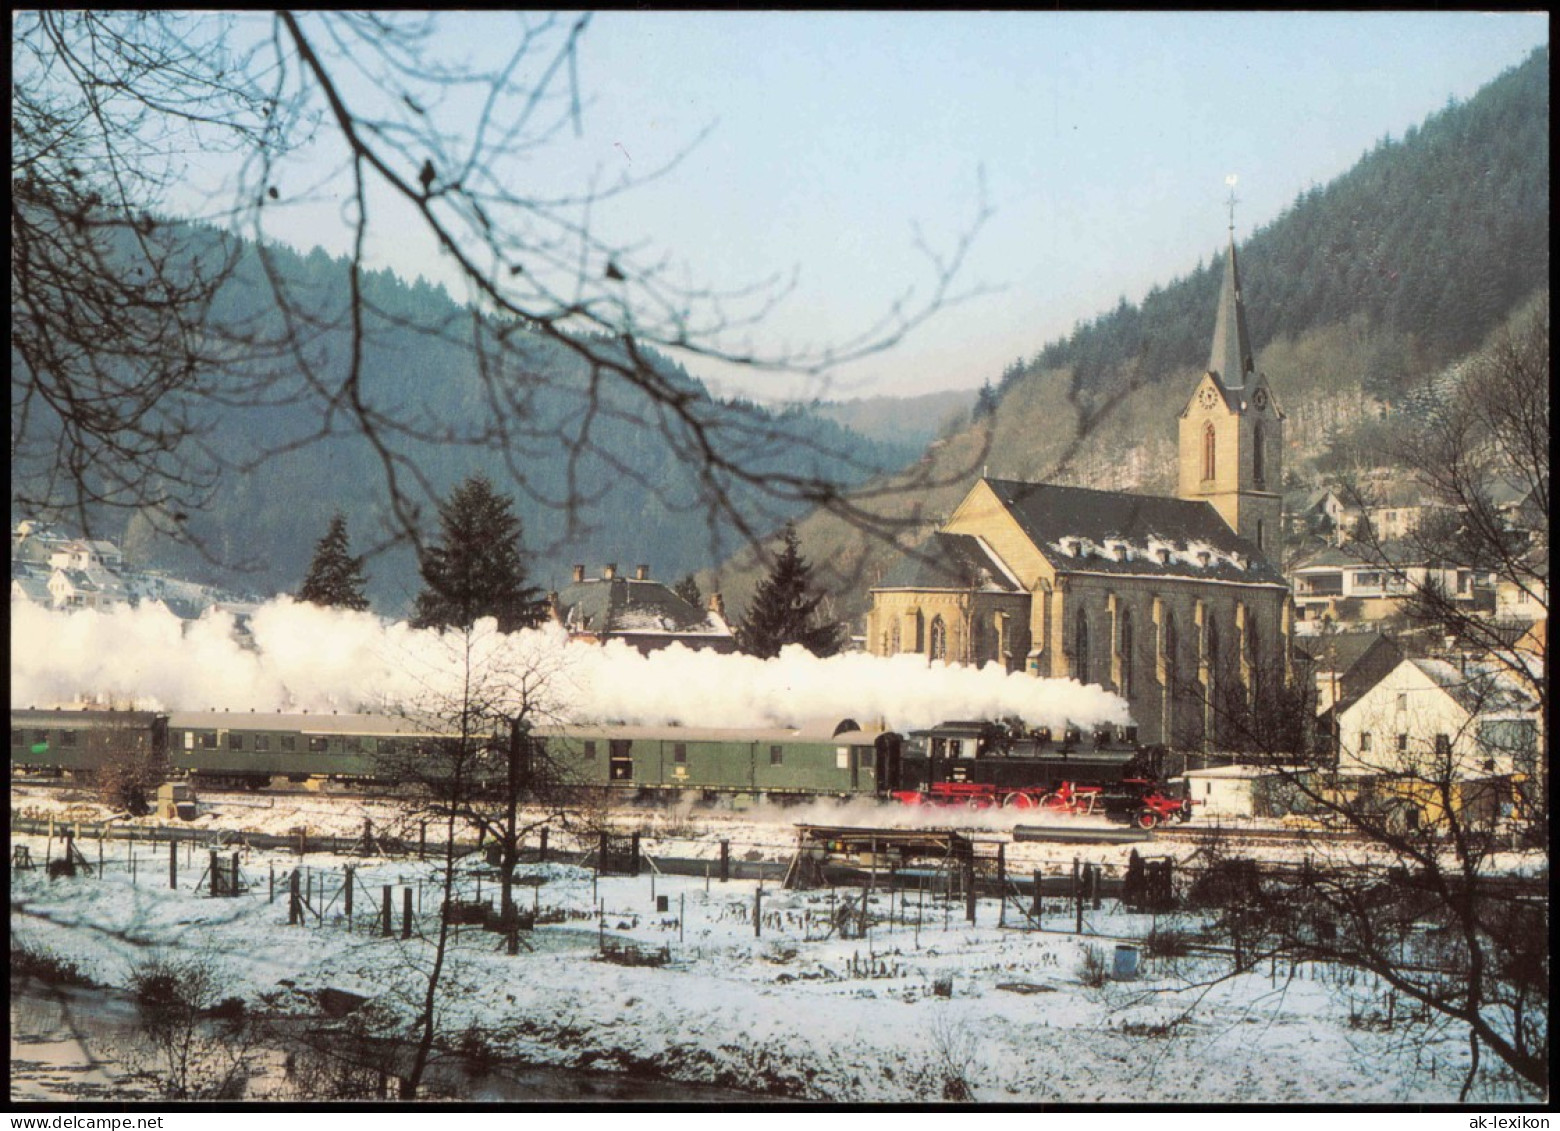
{"x": 1103, "y": 141}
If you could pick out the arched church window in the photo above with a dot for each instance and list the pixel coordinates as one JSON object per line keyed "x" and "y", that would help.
{"x": 1253, "y": 653}
{"x": 939, "y": 639}
{"x": 1126, "y": 654}
{"x": 1258, "y": 464}
{"x": 893, "y": 638}
{"x": 1209, "y": 466}
{"x": 1081, "y": 648}
{"x": 1170, "y": 650}
{"x": 977, "y": 639}
{"x": 1260, "y": 546}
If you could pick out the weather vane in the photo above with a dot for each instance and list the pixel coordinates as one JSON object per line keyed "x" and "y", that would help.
{"x": 1230, "y": 180}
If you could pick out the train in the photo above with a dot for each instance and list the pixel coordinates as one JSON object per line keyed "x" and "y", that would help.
{"x": 970, "y": 764}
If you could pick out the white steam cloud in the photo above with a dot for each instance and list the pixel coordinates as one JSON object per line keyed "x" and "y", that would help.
{"x": 303, "y": 657}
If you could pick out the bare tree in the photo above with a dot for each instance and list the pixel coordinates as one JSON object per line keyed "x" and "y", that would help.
{"x": 129, "y": 764}
{"x": 480, "y": 772}
{"x": 1415, "y": 897}
{"x": 134, "y": 331}
{"x": 1490, "y": 432}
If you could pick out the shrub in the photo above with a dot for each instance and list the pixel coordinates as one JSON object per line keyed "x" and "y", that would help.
{"x": 1092, "y": 968}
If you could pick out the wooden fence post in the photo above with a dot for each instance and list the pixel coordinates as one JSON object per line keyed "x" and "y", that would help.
{"x": 294, "y": 900}
{"x": 384, "y": 919}
{"x": 541, "y": 852}
{"x": 173, "y": 864}
{"x": 216, "y": 874}
{"x": 406, "y": 913}
{"x": 969, "y": 887}
{"x": 346, "y": 897}
{"x": 1077, "y": 895}
{"x": 725, "y": 861}
{"x": 1002, "y": 885}
{"x": 1039, "y": 897}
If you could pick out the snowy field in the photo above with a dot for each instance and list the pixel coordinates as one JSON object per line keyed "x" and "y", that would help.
{"x": 790, "y": 1008}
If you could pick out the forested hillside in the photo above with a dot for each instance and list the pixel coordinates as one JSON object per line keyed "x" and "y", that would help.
{"x": 588, "y": 463}
{"x": 1361, "y": 291}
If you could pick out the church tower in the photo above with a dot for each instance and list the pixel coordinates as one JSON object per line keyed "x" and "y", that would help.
{"x": 1232, "y": 432}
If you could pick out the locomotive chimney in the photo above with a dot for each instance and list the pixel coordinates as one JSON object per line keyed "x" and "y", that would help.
{"x": 717, "y": 605}
{"x": 610, "y": 572}
{"x": 641, "y": 573}
{"x": 579, "y": 573}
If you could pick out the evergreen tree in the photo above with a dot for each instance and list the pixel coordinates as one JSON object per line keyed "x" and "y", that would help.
{"x": 688, "y": 590}
{"x": 479, "y": 569}
{"x": 783, "y": 609}
{"x": 985, "y": 403}
{"x": 335, "y": 577}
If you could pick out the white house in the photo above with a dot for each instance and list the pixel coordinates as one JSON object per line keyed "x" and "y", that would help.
{"x": 1241, "y": 791}
{"x": 1432, "y": 719}
{"x": 1342, "y": 585}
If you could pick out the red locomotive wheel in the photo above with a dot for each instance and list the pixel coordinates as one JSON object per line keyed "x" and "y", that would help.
{"x": 1019, "y": 801}
{"x": 1147, "y": 819}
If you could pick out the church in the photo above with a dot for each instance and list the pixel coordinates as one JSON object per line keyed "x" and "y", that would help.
{"x": 1172, "y": 603}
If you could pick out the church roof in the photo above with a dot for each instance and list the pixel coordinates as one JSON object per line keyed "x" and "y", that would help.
{"x": 1081, "y": 530}
{"x": 950, "y": 561}
{"x": 1231, "y": 356}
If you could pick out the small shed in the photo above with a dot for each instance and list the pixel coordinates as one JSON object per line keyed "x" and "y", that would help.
{"x": 176, "y": 799}
{"x": 1241, "y": 791}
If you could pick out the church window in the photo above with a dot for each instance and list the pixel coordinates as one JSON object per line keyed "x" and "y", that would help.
{"x": 1260, "y": 546}
{"x": 939, "y": 639}
{"x": 977, "y": 639}
{"x": 893, "y": 638}
{"x": 1209, "y": 465}
{"x": 1253, "y": 654}
{"x": 1258, "y": 465}
{"x": 1126, "y": 654}
{"x": 1213, "y": 650}
{"x": 1170, "y": 648}
{"x": 1081, "y": 648}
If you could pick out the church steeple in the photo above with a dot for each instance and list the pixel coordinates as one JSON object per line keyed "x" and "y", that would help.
{"x": 1231, "y": 431}
{"x": 1231, "y": 356}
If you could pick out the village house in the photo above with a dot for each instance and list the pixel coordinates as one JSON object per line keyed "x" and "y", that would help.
{"x": 1351, "y": 585}
{"x": 1436, "y": 725}
{"x": 640, "y": 612}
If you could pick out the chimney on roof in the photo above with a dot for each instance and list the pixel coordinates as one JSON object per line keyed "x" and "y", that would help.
{"x": 579, "y": 573}
{"x": 610, "y": 572}
{"x": 641, "y": 573}
{"x": 717, "y": 605}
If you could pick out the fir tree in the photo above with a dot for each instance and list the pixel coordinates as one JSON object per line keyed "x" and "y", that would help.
{"x": 985, "y": 403}
{"x": 688, "y": 590}
{"x": 479, "y": 569}
{"x": 335, "y": 577}
{"x": 783, "y": 610}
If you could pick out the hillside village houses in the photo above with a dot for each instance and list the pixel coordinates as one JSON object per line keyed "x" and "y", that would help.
{"x": 57, "y": 571}
{"x": 1173, "y": 603}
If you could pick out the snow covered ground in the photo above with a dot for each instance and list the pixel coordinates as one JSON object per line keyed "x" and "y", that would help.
{"x": 921, "y": 1000}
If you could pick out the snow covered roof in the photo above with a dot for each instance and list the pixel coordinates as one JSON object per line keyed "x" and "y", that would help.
{"x": 1081, "y": 530}
{"x": 626, "y": 605}
{"x": 1243, "y": 772}
{"x": 951, "y": 561}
